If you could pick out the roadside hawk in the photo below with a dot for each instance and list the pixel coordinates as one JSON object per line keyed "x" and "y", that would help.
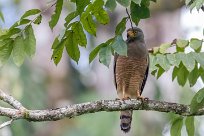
{"x": 130, "y": 72}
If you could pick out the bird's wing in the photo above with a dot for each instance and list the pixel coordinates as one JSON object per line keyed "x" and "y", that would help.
{"x": 145, "y": 76}
{"x": 114, "y": 68}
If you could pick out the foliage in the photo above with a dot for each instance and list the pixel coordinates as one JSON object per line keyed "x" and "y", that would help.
{"x": 177, "y": 123}
{"x": 187, "y": 66}
{"x": 19, "y": 42}
{"x": 194, "y": 4}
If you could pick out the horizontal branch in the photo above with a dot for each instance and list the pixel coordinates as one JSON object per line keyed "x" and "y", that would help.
{"x": 98, "y": 106}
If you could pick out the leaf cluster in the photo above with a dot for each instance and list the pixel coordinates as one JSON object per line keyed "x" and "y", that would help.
{"x": 178, "y": 122}
{"x": 186, "y": 66}
{"x": 194, "y": 4}
{"x": 19, "y": 40}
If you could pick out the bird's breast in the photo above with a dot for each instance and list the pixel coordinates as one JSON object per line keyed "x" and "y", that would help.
{"x": 130, "y": 73}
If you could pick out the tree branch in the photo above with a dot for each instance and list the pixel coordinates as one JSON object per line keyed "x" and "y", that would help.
{"x": 6, "y": 123}
{"x": 11, "y": 101}
{"x": 92, "y": 107}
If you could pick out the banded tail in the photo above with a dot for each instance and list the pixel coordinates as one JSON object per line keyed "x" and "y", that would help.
{"x": 126, "y": 119}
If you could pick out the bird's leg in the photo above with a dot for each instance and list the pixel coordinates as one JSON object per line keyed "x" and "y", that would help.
{"x": 139, "y": 97}
{"x": 126, "y": 98}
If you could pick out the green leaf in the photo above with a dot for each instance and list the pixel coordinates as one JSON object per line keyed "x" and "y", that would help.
{"x": 181, "y": 43}
{"x": 155, "y": 50}
{"x": 56, "y": 15}
{"x": 197, "y": 101}
{"x": 79, "y": 34}
{"x": 139, "y": 12}
{"x": 18, "y": 51}
{"x": 55, "y": 43}
{"x": 187, "y": 60}
{"x": 23, "y": 22}
{"x": 193, "y": 76}
{"x": 160, "y": 71}
{"x": 72, "y": 46}
{"x": 124, "y": 3}
{"x": 199, "y": 4}
{"x": 137, "y": 1}
{"x": 102, "y": 16}
{"x": 14, "y": 31}
{"x": 3, "y": 31}
{"x": 70, "y": 17}
{"x": 182, "y": 75}
{"x": 97, "y": 5}
{"x": 173, "y": 59}
{"x": 164, "y": 47}
{"x": 105, "y": 55}
{"x": 10, "y": 33}
{"x": 153, "y": 62}
{"x": 111, "y": 5}
{"x": 192, "y": 5}
{"x": 196, "y": 44}
{"x": 176, "y": 126}
{"x": 175, "y": 73}
{"x": 120, "y": 46}
{"x": 163, "y": 61}
{"x": 95, "y": 51}
{"x": 30, "y": 12}
{"x": 190, "y": 127}
{"x": 5, "y": 52}
{"x": 2, "y": 16}
{"x": 38, "y": 20}
{"x": 120, "y": 28}
{"x": 20, "y": 22}
{"x": 201, "y": 73}
{"x": 81, "y": 5}
{"x": 199, "y": 58}
{"x": 57, "y": 52}
{"x": 146, "y": 3}
{"x": 187, "y": 2}
{"x": 88, "y": 23}
{"x": 30, "y": 41}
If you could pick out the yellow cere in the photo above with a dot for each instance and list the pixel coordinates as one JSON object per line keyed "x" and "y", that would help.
{"x": 132, "y": 33}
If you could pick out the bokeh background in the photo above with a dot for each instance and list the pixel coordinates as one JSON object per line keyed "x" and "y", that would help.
{"x": 39, "y": 84}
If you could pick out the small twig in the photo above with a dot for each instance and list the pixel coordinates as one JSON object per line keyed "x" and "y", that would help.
{"x": 48, "y": 7}
{"x": 173, "y": 43}
{"x": 6, "y": 124}
{"x": 40, "y": 14}
{"x": 10, "y": 100}
{"x": 129, "y": 18}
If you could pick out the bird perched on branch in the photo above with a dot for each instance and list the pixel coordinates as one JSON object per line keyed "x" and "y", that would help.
{"x": 130, "y": 72}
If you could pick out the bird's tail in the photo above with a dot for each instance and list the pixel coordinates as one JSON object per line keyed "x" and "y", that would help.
{"x": 126, "y": 119}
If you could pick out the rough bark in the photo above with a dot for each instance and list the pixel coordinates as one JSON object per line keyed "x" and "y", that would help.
{"x": 70, "y": 111}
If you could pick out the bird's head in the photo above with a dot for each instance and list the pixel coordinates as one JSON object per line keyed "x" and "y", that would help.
{"x": 135, "y": 33}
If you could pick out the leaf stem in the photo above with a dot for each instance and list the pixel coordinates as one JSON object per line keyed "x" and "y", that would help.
{"x": 129, "y": 18}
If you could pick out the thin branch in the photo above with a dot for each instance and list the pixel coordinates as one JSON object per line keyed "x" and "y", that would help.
{"x": 10, "y": 100}
{"x": 6, "y": 124}
{"x": 129, "y": 18}
{"x": 173, "y": 43}
{"x": 40, "y": 14}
